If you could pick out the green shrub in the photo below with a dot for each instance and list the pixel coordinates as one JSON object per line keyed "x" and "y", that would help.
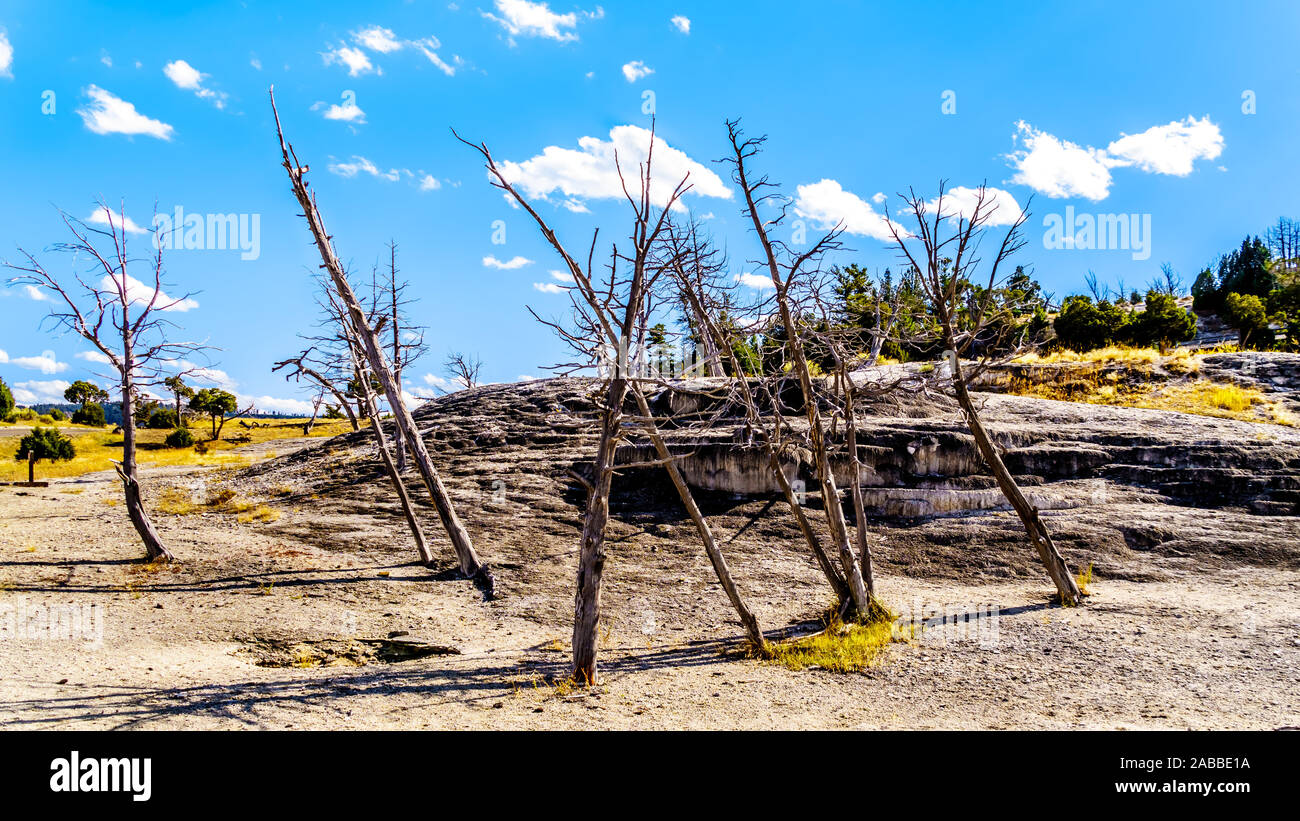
{"x": 163, "y": 419}
{"x": 1247, "y": 315}
{"x": 1162, "y": 324}
{"x": 58, "y": 415}
{"x": 179, "y": 438}
{"x": 92, "y": 413}
{"x": 6, "y": 401}
{"x": 46, "y": 443}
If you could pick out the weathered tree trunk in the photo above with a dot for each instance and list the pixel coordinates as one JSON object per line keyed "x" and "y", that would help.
{"x": 381, "y": 441}
{"x": 591, "y": 556}
{"x": 315, "y": 411}
{"x": 1052, "y": 560}
{"x": 747, "y": 618}
{"x": 470, "y": 565}
{"x": 816, "y": 432}
{"x": 154, "y": 548}
{"x": 831, "y": 503}
{"x": 859, "y": 508}
{"x": 720, "y": 343}
{"x": 31, "y": 467}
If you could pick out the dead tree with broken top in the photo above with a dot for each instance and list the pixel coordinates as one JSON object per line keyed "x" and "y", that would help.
{"x": 608, "y": 331}
{"x": 790, "y": 271}
{"x": 124, "y": 318}
{"x": 467, "y": 559}
{"x": 960, "y": 289}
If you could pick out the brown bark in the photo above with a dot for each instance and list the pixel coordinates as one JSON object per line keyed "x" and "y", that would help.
{"x": 591, "y": 556}
{"x": 154, "y": 548}
{"x": 467, "y": 558}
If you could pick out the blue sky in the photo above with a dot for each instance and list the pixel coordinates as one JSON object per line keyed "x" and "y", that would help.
{"x": 166, "y": 103}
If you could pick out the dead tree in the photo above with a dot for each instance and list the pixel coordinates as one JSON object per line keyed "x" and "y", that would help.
{"x": 946, "y": 254}
{"x": 463, "y": 368}
{"x": 609, "y": 329}
{"x": 339, "y": 332}
{"x": 405, "y": 339}
{"x": 467, "y": 559}
{"x": 697, "y": 273}
{"x": 788, "y": 269}
{"x": 124, "y": 318}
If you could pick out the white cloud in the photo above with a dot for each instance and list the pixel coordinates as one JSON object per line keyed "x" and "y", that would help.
{"x": 441, "y": 383}
{"x": 762, "y": 283}
{"x": 682, "y": 23}
{"x": 137, "y": 293}
{"x": 827, "y": 204}
{"x": 209, "y": 376}
{"x": 30, "y": 393}
{"x": 255, "y": 63}
{"x": 1059, "y": 168}
{"x": 108, "y": 114}
{"x": 635, "y": 70}
{"x": 349, "y": 112}
{"x": 521, "y": 18}
{"x": 511, "y": 264}
{"x": 6, "y": 55}
{"x": 354, "y": 58}
{"x": 37, "y": 294}
{"x": 1169, "y": 149}
{"x": 561, "y": 276}
{"x": 189, "y": 78}
{"x": 377, "y": 38}
{"x": 429, "y": 183}
{"x": 427, "y": 47}
{"x": 46, "y": 363}
{"x": 589, "y": 171}
{"x": 362, "y": 165}
{"x": 1000, "y": 207}
{"x": 123, "y": 223}
{"x": 549, "y": 287}
{"x": 106, "y": 59}
{"x": 93, "y": 356}
{"x": 275, "y": 404}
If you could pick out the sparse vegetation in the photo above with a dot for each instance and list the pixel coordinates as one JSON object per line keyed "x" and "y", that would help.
{"x": 840, "y": 648}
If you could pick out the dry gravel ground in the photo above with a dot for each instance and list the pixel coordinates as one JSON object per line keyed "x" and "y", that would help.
{"x": 1213, "y": 648}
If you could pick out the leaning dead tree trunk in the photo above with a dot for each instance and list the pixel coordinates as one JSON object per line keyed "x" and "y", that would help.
{"x": 859, "y": 506}
{"x": 946, "y": 272}
{"x": 118, "y": 315}
{"x": 467, "y": 558}
{"x": 747, "y": 618}
{"x": 692, "y": 289}
{"x": 608, "y": 315}
{"x": 390, "y": 467}
{"x": 743, "y": 150}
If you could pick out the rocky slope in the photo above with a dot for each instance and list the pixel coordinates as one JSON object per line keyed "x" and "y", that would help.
{"x": 1136, "y": 493}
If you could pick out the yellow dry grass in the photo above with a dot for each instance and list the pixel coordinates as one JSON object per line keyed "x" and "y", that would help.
{"x": 96, "y": 446}
{"x": 1200, "y": 397}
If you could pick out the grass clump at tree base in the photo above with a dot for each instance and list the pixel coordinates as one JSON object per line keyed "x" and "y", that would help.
{"x": 842, "y": 647}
